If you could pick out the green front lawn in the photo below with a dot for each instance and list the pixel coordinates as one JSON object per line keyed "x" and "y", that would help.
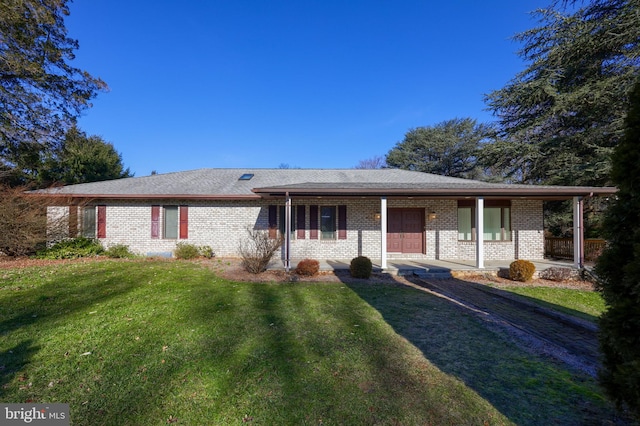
{"x": 159, "y": 342}
{"x": 588, "y": 305}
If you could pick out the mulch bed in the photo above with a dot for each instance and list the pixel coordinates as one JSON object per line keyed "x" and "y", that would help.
{"x": 231, "y": 269}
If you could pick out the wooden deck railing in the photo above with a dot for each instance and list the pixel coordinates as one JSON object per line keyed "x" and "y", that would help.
{"x": 562, "y": 248}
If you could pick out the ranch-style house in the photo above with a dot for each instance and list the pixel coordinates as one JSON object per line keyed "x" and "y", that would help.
{"x": 321, "y": 213}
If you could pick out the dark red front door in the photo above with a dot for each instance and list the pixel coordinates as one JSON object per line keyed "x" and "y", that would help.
{"x": 405, "y": 231}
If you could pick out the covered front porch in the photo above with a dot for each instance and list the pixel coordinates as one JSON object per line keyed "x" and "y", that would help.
{"x": 450, "y": 225}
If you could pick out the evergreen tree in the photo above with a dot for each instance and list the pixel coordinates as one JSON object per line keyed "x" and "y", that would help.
{"x": 619, "y": 270}
{"x": 449, "y": 148}
{"x": 41, "y": 93}
{"x": 561, "y": 118}
{"x": 81, "y": 158}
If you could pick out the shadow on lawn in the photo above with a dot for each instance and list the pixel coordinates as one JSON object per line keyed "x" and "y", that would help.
{"x": 37, "y": 311}
{"x": 284, "y": 356}
{"x": 528, "y": 389}
{"x": 60, "y": 297}
{"x": 13, "y": 360}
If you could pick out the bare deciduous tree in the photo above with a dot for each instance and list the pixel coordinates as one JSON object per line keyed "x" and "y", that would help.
{"x": 375, "y": 162}
{"x": 23, "y": 221}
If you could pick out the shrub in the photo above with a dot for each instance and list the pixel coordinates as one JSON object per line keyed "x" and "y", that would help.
{"x": 119, "y": 251}
{"x": 186, "y": 251}
{"x": 559, "y": 274}
{"x": 308, "y": 267}
{"x": 521, "y": 270}
{"x": 72, "y": 249}
{"x": 361, "y": 267}
{"x": 257, "y": 249}
{"x": 191, "y": 251}
{"x": 206, "y": 251}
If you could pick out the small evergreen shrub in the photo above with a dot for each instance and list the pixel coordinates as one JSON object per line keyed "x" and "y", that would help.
{"x": 119, "y": 251}
{"x": 186, "y": 251}
{"x": 361, "y": 267}
{"x": 308, "y": 267}
{"x": 206, "y": 251}
{"x": 72, "y": 249}
{"x": 521, "y": 270}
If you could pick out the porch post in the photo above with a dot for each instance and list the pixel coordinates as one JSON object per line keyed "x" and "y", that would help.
{"x": 287, "y": 233}
{"x": 480, "y": 232}
{"x": 383, "y": 232}
{"x": 578, "y": 233}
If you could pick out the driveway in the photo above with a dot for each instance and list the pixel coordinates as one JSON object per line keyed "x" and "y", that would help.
{"x": 571, "y": 340}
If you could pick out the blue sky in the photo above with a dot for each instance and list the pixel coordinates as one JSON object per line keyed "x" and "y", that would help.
{"x": 312, "y": 84}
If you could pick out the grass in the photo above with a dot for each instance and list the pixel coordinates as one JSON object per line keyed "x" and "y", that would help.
{"x": 156, "y": 342}
{"x": 585, "y": 304}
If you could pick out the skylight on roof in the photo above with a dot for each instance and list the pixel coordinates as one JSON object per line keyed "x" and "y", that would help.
{"x": 246, "y": 176}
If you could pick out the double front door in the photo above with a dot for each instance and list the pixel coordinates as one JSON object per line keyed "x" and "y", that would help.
{"x": 405, "y": 231}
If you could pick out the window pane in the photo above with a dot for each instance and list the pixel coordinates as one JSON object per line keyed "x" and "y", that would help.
{"x": 89, "y": 222}
{"x": 492, "y": 224}
{"x": 464, "y": 224}
{"x": 328, "y": 223}
{"x": 506, "y": 214}
{"x": 283, "y": 217}
{"x": 171, "y": 222}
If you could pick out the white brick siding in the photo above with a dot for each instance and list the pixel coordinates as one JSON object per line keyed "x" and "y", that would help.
{"x": 222, "y": 225}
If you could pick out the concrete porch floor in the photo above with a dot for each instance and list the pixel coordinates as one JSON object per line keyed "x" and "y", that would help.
{"x": 395, "y": 265}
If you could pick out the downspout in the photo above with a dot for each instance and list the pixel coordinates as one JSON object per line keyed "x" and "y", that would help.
{"x": 287, "y": 233}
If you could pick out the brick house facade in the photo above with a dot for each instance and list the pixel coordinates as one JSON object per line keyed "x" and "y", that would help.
{"x": 335, "y": 214}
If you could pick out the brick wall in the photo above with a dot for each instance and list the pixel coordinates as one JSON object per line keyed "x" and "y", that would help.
{"x": 222, "y": 225}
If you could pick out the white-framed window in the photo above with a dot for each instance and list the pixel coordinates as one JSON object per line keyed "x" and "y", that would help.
{"x": 497, "y": 220}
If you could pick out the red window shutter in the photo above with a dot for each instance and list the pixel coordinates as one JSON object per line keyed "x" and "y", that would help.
{"x": 342, "y": 222}
{"x": 313, "y": 222}
{"x": 273, "y": 221}
{"x": 155, "y": 221}
{"x": 102, "y": 221}
{"x": 184, "y": 222}
{"x": 73, "y": 221}
{"x": 300, "y": 222}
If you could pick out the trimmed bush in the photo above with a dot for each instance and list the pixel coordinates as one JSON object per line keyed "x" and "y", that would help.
{"x": 308, "y": 267}
{"x": 72, "y": 249}
{"x": 521, "y": 270}
{"x": 361, "y": 267}
{"x": 119, "y": 251}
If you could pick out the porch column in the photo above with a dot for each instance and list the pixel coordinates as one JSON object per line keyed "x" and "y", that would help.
{"x": 578, "y": 233}
{"x": 383, "y": 232}
{"x": 287, "y": 233}
{"x": 480, "y": 232}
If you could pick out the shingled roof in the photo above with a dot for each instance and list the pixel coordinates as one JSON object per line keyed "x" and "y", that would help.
{"x": 259, "y": 183}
